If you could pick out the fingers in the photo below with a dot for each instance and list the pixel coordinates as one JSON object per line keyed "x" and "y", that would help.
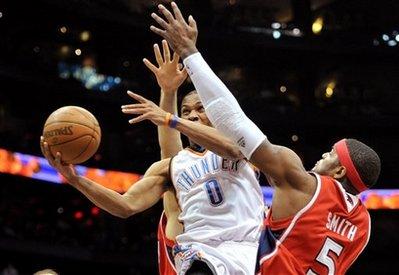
{"x": 168, "y": 15}
{"x": 158, "y": 55}
{"x": 166, "y": 51}
{"x": 41, "y": 144}
{"x": 177, "y": 12}
{"x": 159, "y": 20}
{"x": 191, "y": 22}
{"x": 184, "y": 72}
{"x": 137, "y": 97}
{"x": 58, "y": 160}
{"x": 150, "y": 66}
{"x": 131, "y": 106}
{"x": 158, "y": 31}
{"x": 138, "y": 119}
{"x": 175, "y": 59}
{"x": 46, "y": 151}
{"x": 135, "y": 111}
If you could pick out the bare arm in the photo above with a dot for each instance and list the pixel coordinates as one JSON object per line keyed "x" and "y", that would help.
{"x": 283, "y": 165}
{"x": 169, "y": 139}
{"x": 169, "y": 78}
{"x": 209, "y": 138}
{"x": 203, "y": 135}
{"x": 140, "y": 196}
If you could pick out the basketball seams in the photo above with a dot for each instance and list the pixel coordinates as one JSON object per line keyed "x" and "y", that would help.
{"x": 76, "y": 123}
{"x": 85, "y": 135}
{"x": 88, "y": 116}
{"x": 84, "y": 150}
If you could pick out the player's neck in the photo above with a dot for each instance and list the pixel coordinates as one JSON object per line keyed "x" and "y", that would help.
{"x": 196, "y": 147}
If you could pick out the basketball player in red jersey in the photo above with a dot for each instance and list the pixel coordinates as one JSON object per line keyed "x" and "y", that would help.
{"x": 317, "y": 224}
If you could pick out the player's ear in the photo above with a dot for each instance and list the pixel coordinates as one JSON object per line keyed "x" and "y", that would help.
{"x": 339, "y": 172}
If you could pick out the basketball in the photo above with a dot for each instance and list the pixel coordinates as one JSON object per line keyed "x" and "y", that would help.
{"x": 74, "y": 132}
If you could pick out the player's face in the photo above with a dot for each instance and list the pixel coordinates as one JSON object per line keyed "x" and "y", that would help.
{"x": 328, "y": 164}
{"x": 192, "y": 109}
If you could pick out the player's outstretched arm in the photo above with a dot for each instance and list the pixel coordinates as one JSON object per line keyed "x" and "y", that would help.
{"x": 169, "y": 77}
{"x": 223, "y": 109}
{"x": 203, "y": 135}
{"x": 140, "y": 196}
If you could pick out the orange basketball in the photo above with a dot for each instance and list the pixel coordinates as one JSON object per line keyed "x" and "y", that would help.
{"x": 74, "y": 132}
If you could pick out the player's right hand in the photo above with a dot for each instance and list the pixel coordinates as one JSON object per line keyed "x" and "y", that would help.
{"x": 66, "y": 170}
{"x": 182, "y": 37}
{"x": 168, "y": 73}
{"x": 145, "y": 109}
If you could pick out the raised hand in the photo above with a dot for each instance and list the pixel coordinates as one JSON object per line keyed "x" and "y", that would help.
{"x": 182, "y": 37}
{"x": 146, "y": 109}
{"x": 168, "y": 73}
{"x": 66, "y": 170}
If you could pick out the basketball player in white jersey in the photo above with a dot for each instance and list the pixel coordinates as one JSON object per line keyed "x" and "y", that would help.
{"x": 220, "y": 199}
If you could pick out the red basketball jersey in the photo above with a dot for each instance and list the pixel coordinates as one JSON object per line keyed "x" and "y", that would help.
{"x": 165, "y": 246}
{"x": 325, "y": 237}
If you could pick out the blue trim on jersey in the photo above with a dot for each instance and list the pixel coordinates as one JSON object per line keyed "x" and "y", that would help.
{"x": 267, "y": 244}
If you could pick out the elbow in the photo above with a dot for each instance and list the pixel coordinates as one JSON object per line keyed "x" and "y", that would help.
{"x": 234, "y": 153}
{"x": 125, "y": 212}
{"x": 128, "y": 212}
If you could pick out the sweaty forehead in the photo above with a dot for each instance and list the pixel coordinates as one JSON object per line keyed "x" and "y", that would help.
{"x": 191, "y": 100}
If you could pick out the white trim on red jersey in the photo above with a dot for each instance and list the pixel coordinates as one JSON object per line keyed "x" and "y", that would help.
{"x": 347, "y": 197}
{"x": 164, "y": 244}
{"x": 367, "y": 241}
{"x": 294, "y": 220}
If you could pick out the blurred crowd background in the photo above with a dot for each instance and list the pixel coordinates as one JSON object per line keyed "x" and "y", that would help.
{"x": 308, "y": 72}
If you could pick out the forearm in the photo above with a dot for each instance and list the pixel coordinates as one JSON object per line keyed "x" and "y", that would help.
{"x": 169, "y": 139}
{"x": 222, "y": 108}
{"x": 209, "y": 138}
{"x": 206, "y": 82}
{"x": 105, "y": 198}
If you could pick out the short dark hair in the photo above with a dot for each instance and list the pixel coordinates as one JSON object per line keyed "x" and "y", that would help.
{"x": 366, "y": 161}
{"x": 187, "y": 94}
{"x": 182, "y": 96}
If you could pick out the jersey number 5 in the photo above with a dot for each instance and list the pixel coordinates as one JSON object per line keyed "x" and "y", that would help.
{"x": 214, "y": 192}
{"x": 325, "y": 259}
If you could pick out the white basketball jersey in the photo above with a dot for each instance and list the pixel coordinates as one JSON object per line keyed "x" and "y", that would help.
{"x": 221, "y": 200}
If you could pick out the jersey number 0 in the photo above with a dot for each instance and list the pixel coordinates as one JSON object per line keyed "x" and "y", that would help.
{"x": 214, "y": 192}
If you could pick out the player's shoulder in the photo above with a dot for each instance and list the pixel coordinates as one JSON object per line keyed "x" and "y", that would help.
{"x": 338, "y": 195}
{"x": 189, "y": 153}
{"x": 159, "y": 168}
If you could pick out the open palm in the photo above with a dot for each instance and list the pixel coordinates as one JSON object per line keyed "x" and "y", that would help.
{"x": 169, "y": 73}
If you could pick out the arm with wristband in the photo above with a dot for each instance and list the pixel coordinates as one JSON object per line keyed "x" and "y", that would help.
{"x": 203, "y": 135}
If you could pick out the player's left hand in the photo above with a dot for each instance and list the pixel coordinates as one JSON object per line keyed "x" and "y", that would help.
{"x": 169, "y": 74}
{"x": 66, "y": 170}
{"x": 182, "y": 37}
{"x": 146, "y": 109}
